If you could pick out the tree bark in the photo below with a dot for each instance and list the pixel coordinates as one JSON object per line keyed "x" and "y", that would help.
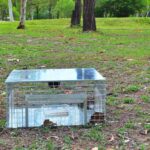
{"x": 76, "y": 14}
{"x": 11, "y": 17}
{"x": 22, "y": 14}
{"x": 89, "y": 23}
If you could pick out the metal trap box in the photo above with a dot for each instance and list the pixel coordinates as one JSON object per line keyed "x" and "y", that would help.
{"x": 55, "y": 97}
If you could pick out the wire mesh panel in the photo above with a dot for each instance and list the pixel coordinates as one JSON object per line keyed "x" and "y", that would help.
{"x": 70, "y": 101}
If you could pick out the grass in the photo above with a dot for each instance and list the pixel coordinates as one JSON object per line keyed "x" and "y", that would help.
{"x": 2, "y": 123}
{"x": 67, "y": 141}
{"x": 145, "y": 98}
{"x": 132, "y": 88}
{"x": 120, "y": 50}
{"x": 142, "y": 147}
{"x": 147, "y": 126}
{"x": 121, "y": 131}
{"x": 95, "y": 134}
{"x": 128, "y": 100}
{"x": 129, "y": 125}
{"x": 46, "y": 145}
{"x": 112, "y": 101}
{"x": 50, "y": 145}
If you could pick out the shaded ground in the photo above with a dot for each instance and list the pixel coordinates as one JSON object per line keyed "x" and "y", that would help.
{"x": 120, "y": 50}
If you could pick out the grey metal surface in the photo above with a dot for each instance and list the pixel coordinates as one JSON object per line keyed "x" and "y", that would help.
{"x": 50, "y": 75}
{"x": 78, "y": 98}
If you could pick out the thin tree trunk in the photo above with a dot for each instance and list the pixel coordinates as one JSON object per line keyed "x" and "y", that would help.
{"x": 2, "y": 14}
{"x": 31, "y": 10}
{"x": 148, "y": 12}
{"x": 37, "y": 12}
{"x": 22, "y": 14}
{"x": 89, "y": 23}
{"x": 15, "y": 3}
{"x": 49, "y": 11}
{"x": 148, "y": 9}
{"x": 76, "y": 14}
{"x": 11, "y": 17}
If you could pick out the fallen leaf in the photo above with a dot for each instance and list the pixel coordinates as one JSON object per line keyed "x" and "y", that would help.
{"x": 55, "y": 137}
{"x": 3, "y": 93}
{"x": 95, "y": 148}
{"x": 112, "y": 138}
{"x": 144, "y": 132}
{"x": 29, "y": 40}
{"x": 68, "y": 92}
{"x": 130, "y": 59}
{"x": 127, "y": 140}
{"x": 13, "y": 59}
{"x": 43, "y": 66}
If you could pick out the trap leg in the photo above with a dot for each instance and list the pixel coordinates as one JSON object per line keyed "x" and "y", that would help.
{"x": 85, "y": 111}
{"x": 26, "y": 115}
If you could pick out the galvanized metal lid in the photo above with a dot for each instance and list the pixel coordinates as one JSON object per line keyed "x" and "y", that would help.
{"x": 51, "y": 75}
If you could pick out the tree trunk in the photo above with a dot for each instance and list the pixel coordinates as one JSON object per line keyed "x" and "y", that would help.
{"x": 89, "y": 23}
{"x": 49, "y": 11}
{"x": 31, "y": 10}
{"x": 148, "y": 9}
{"x": 3, "y": 14}
{"x": 76, "y": 14}
{"x": 15, "y": 3}
{"x": 11, "y": 17}
{"x": 22, "y": 14}
{"x": 148, "y": 12}
{"x": 37, "y": 12}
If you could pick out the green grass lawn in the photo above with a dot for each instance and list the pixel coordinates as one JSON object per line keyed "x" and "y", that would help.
{"x": 120, "y": 50}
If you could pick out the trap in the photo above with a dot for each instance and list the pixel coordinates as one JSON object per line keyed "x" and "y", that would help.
{"x": 58, "y": 97}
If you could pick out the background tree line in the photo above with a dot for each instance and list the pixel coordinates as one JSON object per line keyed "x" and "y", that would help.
{"x": 48, "y": 9}
{"x": 122, "y": 8}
